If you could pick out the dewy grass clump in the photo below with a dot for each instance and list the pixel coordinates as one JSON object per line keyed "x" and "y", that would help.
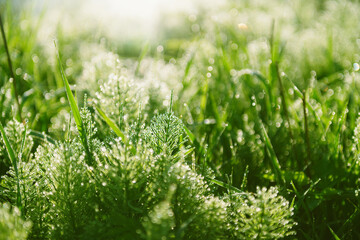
{"x": 12, "y": 226}
{"x": 15, "y": 132}
{"x": 208, "y": 132}
{"x": 146, "y": 190}
{"x": 264, "y": 215}
{"x": 121, "y": 99}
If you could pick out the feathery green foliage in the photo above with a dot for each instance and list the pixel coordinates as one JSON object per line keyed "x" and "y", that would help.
{"x": 259, "y": 138}
{"x": 12, "y": 226}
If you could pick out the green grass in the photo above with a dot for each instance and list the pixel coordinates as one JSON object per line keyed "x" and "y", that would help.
{"x": 246, "y": 128}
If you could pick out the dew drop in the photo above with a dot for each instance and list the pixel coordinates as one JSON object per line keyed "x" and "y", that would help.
{"x": 356, "y": 67}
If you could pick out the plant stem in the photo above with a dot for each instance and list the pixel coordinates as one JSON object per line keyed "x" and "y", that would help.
{"x": 286, "y": 113}
{"x": 307, "y": 138}
{"x": 14, "y": 161}
{"x": 276, "y": 74}
{"x": 11, "y": 69}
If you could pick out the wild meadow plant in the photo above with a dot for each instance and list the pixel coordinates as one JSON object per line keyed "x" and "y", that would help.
{"x": 146, "y": 189}
{"x": 259, "y": 138}
{"x": 12, "y": 226}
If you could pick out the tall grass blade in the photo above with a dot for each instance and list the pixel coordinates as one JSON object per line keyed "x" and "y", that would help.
{"x": 273, "y": 158}
{"x": 188, "y": 66}
{"x": 22, "y": 143}
{"x": 334, "y": 234}
{"x": 42, "y": 136}
{"x": 350, "y": 221}
{"x": 191, "y": 136}
{"x": 14, "y": 161}
{"x": 112, "y": 125}
{"x": 12, "y": 75}
{"x": 9, "y": 149}
{"x": 226, "y": 185}
{"x": 75, "y": 110}
{"x": 143, "y": 53}
{"x": 307, "y": 136}
{"x": 245, "y": 177}
{"x": 308, "y": 105}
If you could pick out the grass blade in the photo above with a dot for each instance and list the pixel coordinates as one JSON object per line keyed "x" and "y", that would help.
{"x": 112, "y": 125}
{"x": 190, "y": 135}
{"x": 273, "y": 159}
{"x": 188, "y": 66}
{"x": 350, "y": 220}
{"x": 9, "y": 149}
{"x": 22, "y": 143}
{"x": 12, "y": 75}
{"x": 308, "y": 105}
{"x": 13, "y": 159}
{"x": 307, "y": 137}
{"x": 226, "y": 185}
{"x": 42, "y": 136}
{"x": 143, "y": 53}
{"x": 244, "y": 180}
{"x": 72, "y": 102}
{"x": 334, "y": 234}
{"x": 74, "y": 109}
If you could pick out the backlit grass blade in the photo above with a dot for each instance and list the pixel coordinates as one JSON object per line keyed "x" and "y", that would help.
{"x": 226, "y": 185}
{"x": 188, "y": 66}
{"x": 42, "y": 136}
{"x": 13, "y": 159}
{"x": 350, "y": 221}
{"x": 143, "y": 53}
{"x": 244, "y": 180}
{"x": 190, "y": 135}
{"x": 9, "y": 149}
{"x": 273, "y": 159}
{"x": 308, "y": 105}
{"x": 334, "y": 234}
{"x": 22, "y": 143}
{"x": 74, "y": 109}
{"x": 203, "y": 100}
{"x": 12, "y": 75}
{"x": 72, "y": 102}
{"x": 112, "y": 125}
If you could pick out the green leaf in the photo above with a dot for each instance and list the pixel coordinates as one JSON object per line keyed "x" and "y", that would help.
{"x": 245, "y": 177}
{"x": 22, "y": 143}
{"x": 70, "y": 96}
{"x": 273, "y": 158}
{"x": 298, "y": 177}
{"x": 13, "y": 159}
{"x": 74, "y": 109}
{"x": 9, "y": 149}
{"x": 334, "y": 234}
{"x": 42, "y": 136}
{"x": 112, "y": 125}
{"x": 143, "y": 53}
{"x": 226, "y": 185}
{"x": 190, "y": 135}
{"x": 188, "y": 66}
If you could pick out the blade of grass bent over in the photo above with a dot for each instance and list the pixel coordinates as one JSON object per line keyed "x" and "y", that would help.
{"x": 13, "y": 159}
{"x": 274, "y": 160}
{"x": 226, "y": 185}
{"x": 12, "y": 75}
{"x": 112, "y": 125}
{"x": 334, "y": 234}
{"x": 9, "y": 148}
{"x": 143, "y": 53}
{"x": 75, "y": 110}
{"x": 22, "y": 143}
{"x": 42, "y": 136}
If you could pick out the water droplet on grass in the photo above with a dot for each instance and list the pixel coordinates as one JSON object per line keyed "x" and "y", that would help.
{"x": 356, "y": 67}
